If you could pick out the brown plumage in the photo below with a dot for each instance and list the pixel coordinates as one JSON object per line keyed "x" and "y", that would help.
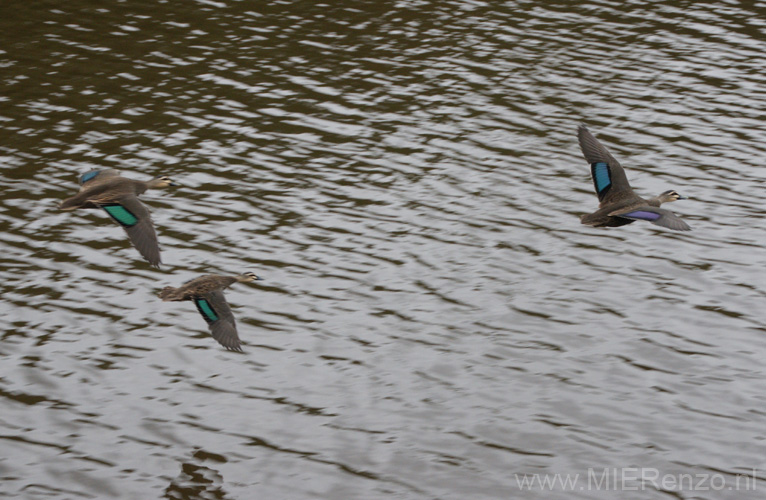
{"x": 118, "y": 196}
{"x": 207, "y": 294}
{"x": 619, "y": 204}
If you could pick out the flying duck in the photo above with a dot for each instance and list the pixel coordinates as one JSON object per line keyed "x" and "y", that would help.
{"x": 619, "y": 205}
{"x": 207, "y": 294}
{"x": 118, "y": 197}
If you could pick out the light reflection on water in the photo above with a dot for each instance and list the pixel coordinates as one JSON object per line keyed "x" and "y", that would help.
{"x": 434, "y": 318}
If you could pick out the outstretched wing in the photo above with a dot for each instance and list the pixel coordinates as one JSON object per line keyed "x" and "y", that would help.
{"x": 609, "y": 177}
{"x": 134, "y": 218}
{"x": 96, "y": 174}
{"x": 213, "y": 307}
{"x": 655, "y": 215}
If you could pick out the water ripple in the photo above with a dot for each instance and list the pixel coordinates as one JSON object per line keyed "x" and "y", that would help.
{"x": 434, "y": 320}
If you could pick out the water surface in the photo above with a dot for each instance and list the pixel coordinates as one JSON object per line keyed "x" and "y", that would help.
{"x": 434, "y": 321}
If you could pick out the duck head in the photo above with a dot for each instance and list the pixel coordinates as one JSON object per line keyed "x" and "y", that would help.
{"x": 248, "y": 277}
{"x": 161, "y": 181}
{"x": 670, "y": 195}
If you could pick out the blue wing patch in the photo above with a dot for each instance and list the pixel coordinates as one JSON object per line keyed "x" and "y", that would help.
{"x": 89, "y": 176}
{"x": 642, "y": 214}
{"x": 602, "y": 177}
{"x": 120, "y": 214}
{"x": 206, "y": 310}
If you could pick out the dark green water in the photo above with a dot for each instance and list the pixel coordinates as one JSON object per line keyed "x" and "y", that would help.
{"x": 434, "y": 321}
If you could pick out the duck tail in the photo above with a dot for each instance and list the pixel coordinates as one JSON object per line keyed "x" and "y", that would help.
{"x": 68, "y": 204}
{"x": 169, "y": 294}
{"x": 591, "y": 220}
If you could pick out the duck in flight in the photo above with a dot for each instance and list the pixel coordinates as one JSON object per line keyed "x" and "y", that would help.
{"x": 207, "y": 294}
{"x": 118, "y": 197}
{"x": 619, "y": 205}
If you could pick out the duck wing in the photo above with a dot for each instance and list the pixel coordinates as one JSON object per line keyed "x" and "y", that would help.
{"x": 609, "y": 177}
{"x": 213, "y": 307}
{"x": 655, "y": 215}
{"x": 134, "y": 218}
{"x": 97, "y": 187}
{"x": 96, "y": 174}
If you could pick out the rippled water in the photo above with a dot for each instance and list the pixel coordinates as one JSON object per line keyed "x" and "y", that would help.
{"x": 434, "y": 321}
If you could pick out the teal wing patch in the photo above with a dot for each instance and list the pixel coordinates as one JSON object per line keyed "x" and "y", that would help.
{"x": 602, "y": 178}
{"x": 206, "y": 310}
{"x": 120, "y": 214}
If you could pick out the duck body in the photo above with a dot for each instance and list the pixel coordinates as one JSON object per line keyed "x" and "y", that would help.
{"x": 618, "y": 203}
{"x": 207, "y": 294}
{"x": 118, "y": 197}
{"x": 603, "y": 216}
{"x": 99, "y": 190}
